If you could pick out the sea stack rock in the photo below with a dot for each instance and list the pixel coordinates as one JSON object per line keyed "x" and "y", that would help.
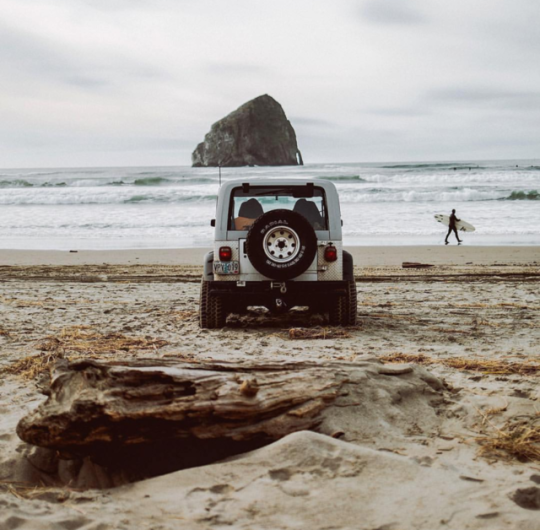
{"x": 256, "y": 134}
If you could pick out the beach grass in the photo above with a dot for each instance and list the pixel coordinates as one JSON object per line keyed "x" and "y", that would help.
{"x": 518, "y": 438}
{"x": 482, "y": 365}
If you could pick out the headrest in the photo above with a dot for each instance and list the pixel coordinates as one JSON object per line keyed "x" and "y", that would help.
{"x": 251, "y": 209}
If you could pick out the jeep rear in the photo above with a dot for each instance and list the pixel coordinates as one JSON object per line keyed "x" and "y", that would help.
{"x": 278, "y": 244}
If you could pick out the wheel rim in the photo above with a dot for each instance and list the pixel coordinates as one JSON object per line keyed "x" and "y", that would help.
{"x": 281, "y": 244}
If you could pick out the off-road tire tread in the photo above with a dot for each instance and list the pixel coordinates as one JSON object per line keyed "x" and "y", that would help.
{"x": 217, "y": 313}
{"x": 353, "y": 304}
{"x": 212, "y": 312}
{"x": 203, "y": 305}
{"x": 343, "y": 309}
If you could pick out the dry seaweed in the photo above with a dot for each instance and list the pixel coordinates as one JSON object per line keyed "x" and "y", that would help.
{"x": 495, "y": 410}
{"x": 76, "y": 342}
{"x": 318, "y": 333}
{"x": 517, "y": 438}
{"x": 184, "y": 315}
{"x": 450, "y": 330}
{"x": 17, "y": 302}
{"x": 418, "y": 358}
{"x": 483, "y": 365}
{"x": 33, "y": 366}
{"x": 83, "y": 339}
{"x": 30, "y": 492}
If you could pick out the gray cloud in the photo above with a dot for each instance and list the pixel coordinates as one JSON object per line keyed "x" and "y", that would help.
{"x": 310, "y": 122}
{"x": 136, "y": 144}
{"x": 235, "y": 68}
{"x": 26, "y": 51}
{"x": 397, "y": 112}
{"x": 40, "y": 57}
{"x": 85, "y": 142}
{"x": 395, "y": 12}
{"x": 115, "y": 81}
{"x": 484, "y": 96}
{"x": 130, "y": 5}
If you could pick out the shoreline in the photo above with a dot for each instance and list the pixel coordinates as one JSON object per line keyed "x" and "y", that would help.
{"x": 364, "y": 256}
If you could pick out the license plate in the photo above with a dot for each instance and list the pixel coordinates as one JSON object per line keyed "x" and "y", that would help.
{"x": 226, "y": 267}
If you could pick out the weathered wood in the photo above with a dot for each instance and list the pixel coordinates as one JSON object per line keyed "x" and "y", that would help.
{"x": 415, "y": 265}
{"x": 92, "y": 405}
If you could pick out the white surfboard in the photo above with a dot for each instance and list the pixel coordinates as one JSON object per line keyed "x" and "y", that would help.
{"x": 462, "y": 226}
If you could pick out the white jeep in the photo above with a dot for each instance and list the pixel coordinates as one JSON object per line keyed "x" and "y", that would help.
{"x": 278, "y": 244}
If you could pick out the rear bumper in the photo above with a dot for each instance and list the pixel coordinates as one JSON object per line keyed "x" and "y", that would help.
{"x": 266, "y": 292}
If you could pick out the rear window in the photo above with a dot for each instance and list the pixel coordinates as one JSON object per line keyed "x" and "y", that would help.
{"x": 249, "y": 203}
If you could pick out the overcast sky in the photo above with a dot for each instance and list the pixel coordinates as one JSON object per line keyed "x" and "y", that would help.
{"x": 139, "y": 82}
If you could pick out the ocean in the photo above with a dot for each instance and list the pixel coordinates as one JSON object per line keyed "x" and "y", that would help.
{"x": 171, "y": 207}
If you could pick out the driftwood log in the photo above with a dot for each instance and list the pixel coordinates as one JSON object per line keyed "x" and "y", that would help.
{"x": 105, "y": 406}
{"x": 415, "y": 265}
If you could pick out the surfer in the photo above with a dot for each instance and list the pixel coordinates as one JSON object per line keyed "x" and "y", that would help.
{"x": 452, "y": 227}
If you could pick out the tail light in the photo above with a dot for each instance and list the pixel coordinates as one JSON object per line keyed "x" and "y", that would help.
{"x": 330, "y": 253}
{"x": 225, "y": 253}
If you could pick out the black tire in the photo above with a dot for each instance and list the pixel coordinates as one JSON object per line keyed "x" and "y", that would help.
{"x": 353, "y": 304}
{"x": 212, "y": 310}
{"x": 343, "y": 310}
{"x": 306, "y": 245}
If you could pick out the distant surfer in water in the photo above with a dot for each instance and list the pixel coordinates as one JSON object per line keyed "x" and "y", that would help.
{"x": 452, "y": 227}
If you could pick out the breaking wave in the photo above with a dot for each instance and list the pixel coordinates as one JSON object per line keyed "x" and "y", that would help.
{"x": 338, "y": 178}
{"x": 150, "y": 181}
{"x": 135, "y": 207}
{"x": 418, "y": 195}
{"x": 523, "y": 196}
{"x": 444, "y": 165}
{"x": 17, "y": 183}
{"x": 349, "y": 192}
{"x": 122, "y": 195}
{"x": 169, "y": 199}
{"x": 451, "y": 194}
{"x": 87, "y": 182}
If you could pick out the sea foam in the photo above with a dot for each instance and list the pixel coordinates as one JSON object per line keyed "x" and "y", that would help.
{"x": 172, "y": 206}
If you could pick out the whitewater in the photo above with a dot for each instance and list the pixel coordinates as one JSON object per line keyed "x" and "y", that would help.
{"x": 171, "y": 207}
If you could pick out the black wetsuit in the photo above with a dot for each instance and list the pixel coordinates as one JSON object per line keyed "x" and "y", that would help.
{"x": 452, "y": 227}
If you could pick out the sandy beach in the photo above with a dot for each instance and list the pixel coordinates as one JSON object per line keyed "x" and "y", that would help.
{"x": 450, "y": 442}
{"x": 364, "y": 256}
{"x": 280, "y": 385}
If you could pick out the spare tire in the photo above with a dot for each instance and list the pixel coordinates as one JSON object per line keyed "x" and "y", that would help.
{"x": 281, "y": 244}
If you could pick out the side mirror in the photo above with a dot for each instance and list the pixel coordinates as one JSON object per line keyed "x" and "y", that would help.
{"x": 342, "y": 222}
{"x": 213, "y": 222}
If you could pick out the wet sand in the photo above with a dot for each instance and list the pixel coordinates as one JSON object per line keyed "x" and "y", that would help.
{"x": 369, "y": 256}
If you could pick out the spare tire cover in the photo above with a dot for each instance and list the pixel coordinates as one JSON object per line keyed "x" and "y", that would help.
{"x": 281, "y": 244}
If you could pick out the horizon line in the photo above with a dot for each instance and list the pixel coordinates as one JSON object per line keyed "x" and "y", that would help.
{"x": 408, "y": 162}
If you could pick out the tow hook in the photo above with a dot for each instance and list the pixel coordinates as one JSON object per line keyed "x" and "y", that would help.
{"x": 281, "y": 286}
{"x": 280, "y": 305}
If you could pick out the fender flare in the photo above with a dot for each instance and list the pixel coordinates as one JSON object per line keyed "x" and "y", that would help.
{"x": 208, "y": 274}
{"x": 348, "y": 266}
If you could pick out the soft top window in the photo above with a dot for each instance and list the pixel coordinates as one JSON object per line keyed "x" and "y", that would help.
{"x": 250, "y": 202}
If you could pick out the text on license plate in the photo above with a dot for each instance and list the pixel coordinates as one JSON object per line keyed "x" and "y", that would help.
{"x": 226, "y": 267}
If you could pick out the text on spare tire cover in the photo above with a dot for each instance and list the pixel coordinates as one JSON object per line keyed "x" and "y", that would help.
{"x": 271, "y": 224}
{"x": 290, "y": 263}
